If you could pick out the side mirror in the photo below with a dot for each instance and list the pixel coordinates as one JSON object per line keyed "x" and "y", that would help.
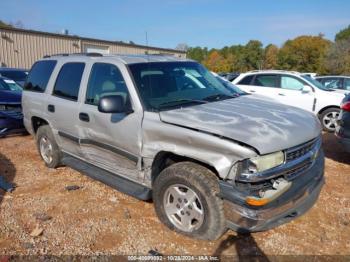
{"x": 113, "y": 104}
{"x": 306, "y": 89}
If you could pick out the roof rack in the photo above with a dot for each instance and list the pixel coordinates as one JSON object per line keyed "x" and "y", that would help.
{"x": 74, "y": 54}
{"x": 273, "y": 70}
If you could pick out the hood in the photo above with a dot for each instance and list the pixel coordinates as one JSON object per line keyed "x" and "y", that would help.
{"x": 10, "y": 96}
{"x": 260, "y": 123}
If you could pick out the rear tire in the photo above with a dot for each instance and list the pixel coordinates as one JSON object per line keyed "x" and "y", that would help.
{"x": 186, "y": 201}
{"x": 47, "y": 147}
{"x": 328, "y": 119}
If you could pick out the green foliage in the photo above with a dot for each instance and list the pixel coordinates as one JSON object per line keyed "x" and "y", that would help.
{"x": 343, "y": 34}
{"x": 338, "y": 58}
{"x": 304, "y": 54}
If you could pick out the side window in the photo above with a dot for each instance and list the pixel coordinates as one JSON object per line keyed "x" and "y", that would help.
{"x": 334, "y": 83}
{"x": 39, "y": 76}
{"x": 288, "y": 82}
{"x": 347, "y": 83}
{"x": 105, "y": 79}
{"x": 246, "y": 80}
{"x": 266, "y": 80}
{"x": 68, "y": 81}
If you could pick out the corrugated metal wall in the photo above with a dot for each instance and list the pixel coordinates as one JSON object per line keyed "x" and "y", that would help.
{"x": 21, "y": 48}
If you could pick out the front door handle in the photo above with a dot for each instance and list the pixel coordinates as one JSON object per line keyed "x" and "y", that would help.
{"x": 84, "y": 117}
{"x": 51, "y": 108}
{"x": 280, "y": 94}
{"x": 252, "y": 91}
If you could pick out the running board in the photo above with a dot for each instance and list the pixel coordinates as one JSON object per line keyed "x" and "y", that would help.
{"x": 117, "y": 182}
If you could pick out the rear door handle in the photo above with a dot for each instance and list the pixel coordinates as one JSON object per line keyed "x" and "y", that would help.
{"x": 51, "y": 108}
{"x": 84, "y": 117}
{"x": 252, "y": 91}
{"x": 280, "y": 94}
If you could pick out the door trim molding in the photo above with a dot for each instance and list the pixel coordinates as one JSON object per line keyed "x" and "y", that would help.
{"x": 85, "y": 141}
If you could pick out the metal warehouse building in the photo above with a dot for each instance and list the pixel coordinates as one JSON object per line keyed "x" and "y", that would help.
{"x": 21, "y": 48}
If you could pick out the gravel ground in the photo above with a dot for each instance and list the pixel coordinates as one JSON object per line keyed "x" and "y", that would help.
{"x": 42, "y": 217}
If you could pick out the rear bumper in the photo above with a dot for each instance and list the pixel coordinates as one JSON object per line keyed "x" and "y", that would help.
{"x": 295, "y": 202}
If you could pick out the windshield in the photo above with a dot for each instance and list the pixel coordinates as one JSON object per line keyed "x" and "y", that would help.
{"x": 165, "y": 85}
{"x": 316, "y": 83}
{"x": 9, "y": 85}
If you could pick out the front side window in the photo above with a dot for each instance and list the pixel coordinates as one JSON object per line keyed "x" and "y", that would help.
{"x": 333, "y": 83}
{"x": 347, "y": 83}
{"x": 105, "y": 80}
{"x": 39, "y": 76}
{"x": 288, "y": 82}
{"x": 266, "y": 80}
{"x": 166, "y": 85}
{"x": 68, "y": 81}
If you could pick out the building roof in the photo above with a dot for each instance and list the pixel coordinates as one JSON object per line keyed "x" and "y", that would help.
{"x": 75, "y": 37}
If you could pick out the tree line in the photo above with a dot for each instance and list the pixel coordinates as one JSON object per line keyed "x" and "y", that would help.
{"x": 303, "y": 54}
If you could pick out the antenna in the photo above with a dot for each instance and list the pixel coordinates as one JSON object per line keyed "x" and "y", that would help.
{"x": 147, "y": 47}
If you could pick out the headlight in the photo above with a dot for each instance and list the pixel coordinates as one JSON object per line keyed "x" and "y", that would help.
{"x": 262, "y": 163}
{"x": 250, "y": 169}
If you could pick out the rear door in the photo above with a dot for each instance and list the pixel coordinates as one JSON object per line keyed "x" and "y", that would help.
{"x": 63, "y": 107}
{"x": 110, "y": 141}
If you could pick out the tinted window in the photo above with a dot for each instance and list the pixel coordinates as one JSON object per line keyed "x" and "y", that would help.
{"x": 288, "y": 82}
{"x": 266, "y": 80}
{"x": 39, "y": 75}
{"x": 15, "y": 75}
{"x": 246, "y": 80}
{"x": 333, "y": 83}
{"x": 68, "y": 81}
{"x": 347, "y": 84}
{"x": 105, "y": 80}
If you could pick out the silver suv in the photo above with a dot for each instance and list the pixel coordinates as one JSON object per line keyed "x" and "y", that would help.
{"x": 209, "y": 155}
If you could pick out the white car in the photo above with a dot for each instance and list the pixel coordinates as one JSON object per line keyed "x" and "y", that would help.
{"x": 294, "y": 89}
{"x": 340, "y": 84}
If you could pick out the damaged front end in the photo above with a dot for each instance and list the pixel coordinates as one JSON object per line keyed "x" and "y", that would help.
{"x": 11, "y": 119}
{"x": 263, "y": 195}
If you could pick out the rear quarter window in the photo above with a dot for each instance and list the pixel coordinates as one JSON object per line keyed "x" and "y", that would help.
{"x": 39, "y": 76}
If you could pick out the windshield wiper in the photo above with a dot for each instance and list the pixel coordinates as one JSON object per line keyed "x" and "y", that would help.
{"x": 219, "y": 97}
{"x": 181, "y": 102}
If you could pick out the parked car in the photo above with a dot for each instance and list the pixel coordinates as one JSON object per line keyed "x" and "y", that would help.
{"x": 16, "y": 74}
{"x": 229, "y": 76}
{"x": 166, "y": 129}
{"x": 343, "y": 127}
{"x": 11, "y": 118}
{"x": 339, "y": 83}
{"x": 295, "y": 89}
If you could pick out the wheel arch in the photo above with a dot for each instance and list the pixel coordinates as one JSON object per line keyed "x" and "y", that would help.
{"x": 327, "y": 107}
{"x": 164, "y": 159}
{"x": 37, "y": 122}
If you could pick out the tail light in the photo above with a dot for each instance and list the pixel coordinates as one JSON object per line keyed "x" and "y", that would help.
{"x": 346, "y": 106}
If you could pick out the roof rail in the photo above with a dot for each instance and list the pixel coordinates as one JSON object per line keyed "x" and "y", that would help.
{"x": 74, "y": 54}
{"x": 273, "y": 70}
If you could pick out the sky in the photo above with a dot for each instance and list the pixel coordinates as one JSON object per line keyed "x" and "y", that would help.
{"x": 210, "y": 23}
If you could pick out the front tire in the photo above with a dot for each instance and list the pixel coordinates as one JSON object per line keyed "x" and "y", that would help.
{"x": 47, "y": 147}
{"x": 186, "y": 201}
{"x": 329, "y": 118}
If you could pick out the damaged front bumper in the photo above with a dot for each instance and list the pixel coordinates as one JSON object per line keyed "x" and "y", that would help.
{"x": 11, "y": 123}
{"x": 299, "y": 198}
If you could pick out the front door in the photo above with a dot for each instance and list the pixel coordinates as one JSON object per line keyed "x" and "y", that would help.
{"x": 291, "y": 93}
{"x": 110, "y": 141}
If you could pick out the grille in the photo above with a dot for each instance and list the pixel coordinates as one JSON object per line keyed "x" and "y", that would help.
{"x": 7, "y": 107}
{"x": 294, "y": 172}
{"x": 300, "y": 151}
{"x": 13, "y": 114}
